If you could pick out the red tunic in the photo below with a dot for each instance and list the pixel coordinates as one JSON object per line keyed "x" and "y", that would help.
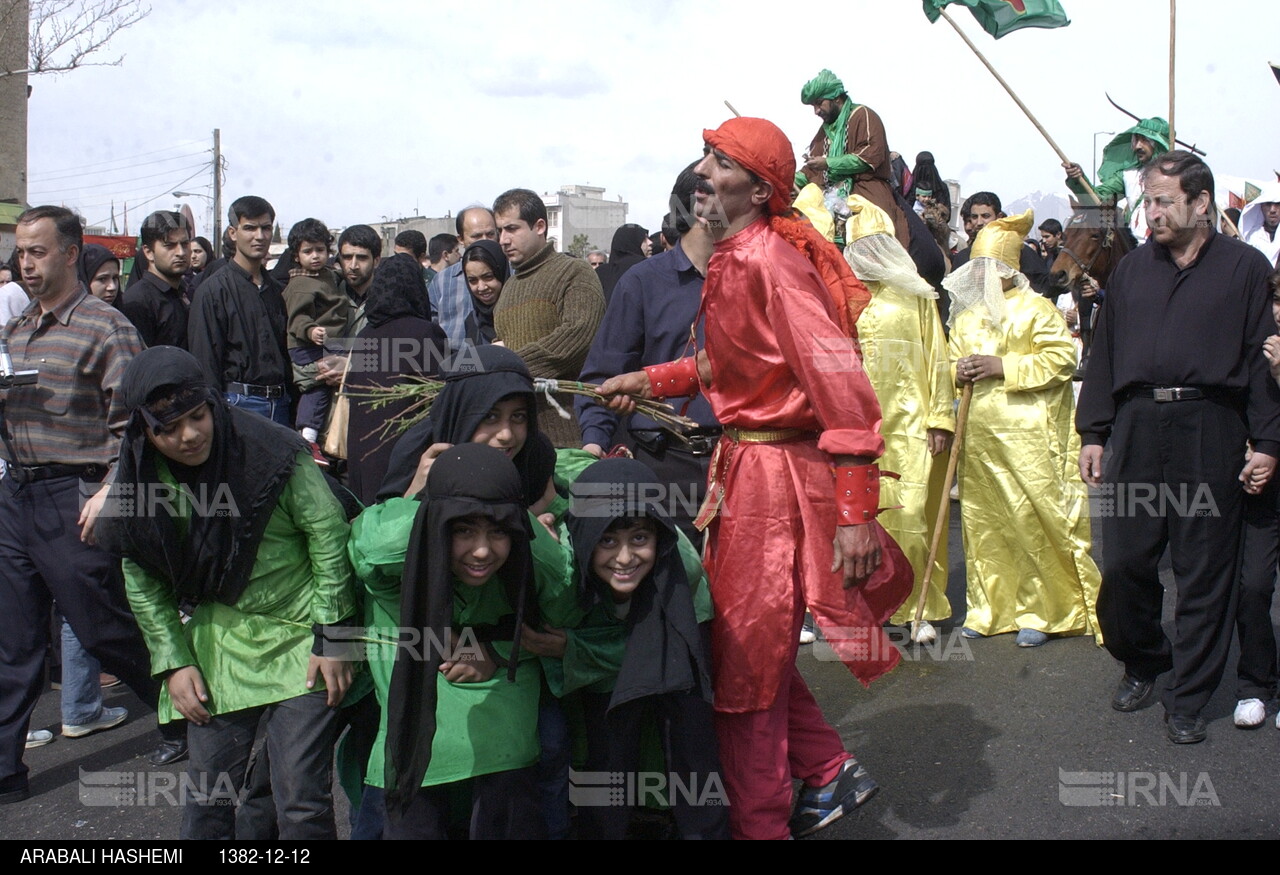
{"x": 780, "y": 361}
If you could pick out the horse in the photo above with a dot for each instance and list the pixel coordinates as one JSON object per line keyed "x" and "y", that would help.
{"x": 1093, "y": 242}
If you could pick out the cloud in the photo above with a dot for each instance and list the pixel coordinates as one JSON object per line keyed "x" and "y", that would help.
{"x": 541, "y": 77}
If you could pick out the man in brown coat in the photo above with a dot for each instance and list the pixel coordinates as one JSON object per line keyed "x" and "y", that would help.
{"x": 850, "y": 151}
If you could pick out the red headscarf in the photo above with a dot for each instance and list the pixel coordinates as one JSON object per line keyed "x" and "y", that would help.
{"x": 759, "y": 146}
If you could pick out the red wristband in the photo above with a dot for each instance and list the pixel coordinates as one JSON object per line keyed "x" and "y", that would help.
{"x": 674, "y": 379}
{"x": 857, "y": 494}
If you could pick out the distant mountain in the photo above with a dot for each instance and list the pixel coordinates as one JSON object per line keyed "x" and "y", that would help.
{"x": 1046, "y": 206}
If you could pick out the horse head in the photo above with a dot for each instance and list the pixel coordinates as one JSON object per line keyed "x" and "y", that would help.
{"x": 1092, "y": 244}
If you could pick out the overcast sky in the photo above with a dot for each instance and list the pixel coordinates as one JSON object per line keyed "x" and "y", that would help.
{"x": 354, "y": 111}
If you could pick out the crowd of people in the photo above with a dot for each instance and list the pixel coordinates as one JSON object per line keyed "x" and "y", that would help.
{"x": 448, "y": 613}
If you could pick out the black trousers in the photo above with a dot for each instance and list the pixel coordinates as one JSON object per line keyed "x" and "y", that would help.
{"x": 1256, "y": 668}
{"x": 686, "y": 725}
{"x": 1173, "y": 480}
{"x": 683, "y": 472}
{"x": 504, "y": 805}
{"x": 300, "y": 733}
{"x": 42, "y": 559}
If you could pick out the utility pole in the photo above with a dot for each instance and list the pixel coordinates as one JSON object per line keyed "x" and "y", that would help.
{"x": 217, "y": 190}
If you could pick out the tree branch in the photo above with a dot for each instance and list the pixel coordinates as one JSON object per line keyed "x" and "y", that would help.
{"x": 65, "y": 35}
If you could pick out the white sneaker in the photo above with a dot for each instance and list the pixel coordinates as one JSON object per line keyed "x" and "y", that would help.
{"x": 38, "y": 738}
{"x": 1251, "y": 713}
{"x": 108, "y": 719}
{"x": 808, "y": 634}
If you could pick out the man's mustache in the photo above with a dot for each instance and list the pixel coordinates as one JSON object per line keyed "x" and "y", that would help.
{"x": 704, "y": 187}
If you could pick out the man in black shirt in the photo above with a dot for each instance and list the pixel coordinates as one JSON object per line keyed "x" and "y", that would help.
{"x": 1177, "y": 381}
{"x": 1050, "y": 241}
{"x": 157, "y": 305}
{"x": 237, "y": 327}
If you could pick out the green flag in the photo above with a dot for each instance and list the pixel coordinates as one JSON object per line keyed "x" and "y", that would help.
{"x": 999, "y": 17}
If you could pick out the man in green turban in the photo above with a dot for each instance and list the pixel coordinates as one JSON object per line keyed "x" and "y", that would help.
{"x": 1119, "y": 177}
{"x": 850, "y": 151}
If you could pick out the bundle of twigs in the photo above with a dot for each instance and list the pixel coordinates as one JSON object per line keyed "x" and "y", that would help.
{"x": 421, "y": 392}
{"x": 659, "y": 411}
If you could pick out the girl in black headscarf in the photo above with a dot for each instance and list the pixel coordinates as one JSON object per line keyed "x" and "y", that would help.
{"x": 482, "y": 385}
{"x": 221, "y": 514}
{"x": 99, "y": 271}
{"x": 486, "y": 270}
{"x": 636, "y": 583}
{"x": 451, "y": 714}
{"x": 201, "y": 254}
{"x": 399, "y": 340}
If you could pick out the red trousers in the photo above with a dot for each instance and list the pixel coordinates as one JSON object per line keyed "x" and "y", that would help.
{"x": 762, "y": 751}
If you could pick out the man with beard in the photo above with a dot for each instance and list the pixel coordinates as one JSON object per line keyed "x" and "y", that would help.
{"x": 157, "y": 306}
{"x": 783, "y": 378}
{"x": 850, "y": 152}
{"x": 648, "y": 322}
{"x": 359, "y": 253}
{"x": 1120, "y": 177}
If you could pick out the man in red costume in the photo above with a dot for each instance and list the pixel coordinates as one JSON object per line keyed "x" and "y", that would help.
{"x": 795, "y": 466}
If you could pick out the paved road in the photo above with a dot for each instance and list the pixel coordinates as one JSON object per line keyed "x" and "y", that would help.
{"x": 970, "y": 739}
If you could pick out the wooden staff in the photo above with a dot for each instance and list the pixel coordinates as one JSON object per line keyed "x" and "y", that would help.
{"x": 944, "y": 506}
{"x": 1022, "y": 106}
{"x": 1173, "y": 15}
{"x": 732, "y": 110}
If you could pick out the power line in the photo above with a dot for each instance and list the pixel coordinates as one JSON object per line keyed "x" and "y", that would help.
{"x": 44, "y": 193}
{"x": 169, "y": 189}
{"x": 93, "y": 173}
{"x": 126, "y": 158}
{"x": 119, "y": 197}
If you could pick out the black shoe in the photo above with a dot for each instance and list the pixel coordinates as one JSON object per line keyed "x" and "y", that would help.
{"x": 168, "y": 752}
{"x": 1133, "y": 693}
{"x": 1185, "y": 730}
{"x": 14, "y": 795}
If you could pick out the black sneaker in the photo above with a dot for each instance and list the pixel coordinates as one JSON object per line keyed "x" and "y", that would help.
{"x": 818, "y": 807}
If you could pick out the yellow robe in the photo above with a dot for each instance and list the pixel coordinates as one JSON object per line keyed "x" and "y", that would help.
{"x": 1025, "y": 510}
{"x": 905, "y": 356}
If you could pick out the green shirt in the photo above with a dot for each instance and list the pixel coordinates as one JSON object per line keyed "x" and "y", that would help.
{"x": 481, "y": 728}
{"x": 256, "y": 651}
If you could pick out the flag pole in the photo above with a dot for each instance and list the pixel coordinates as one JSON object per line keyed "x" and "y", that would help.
{"x": 1173, "y": 16}
{"x": 1022, "y": 106}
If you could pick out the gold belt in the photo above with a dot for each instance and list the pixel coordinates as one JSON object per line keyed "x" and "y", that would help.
{"x": 766, "y": 435}
{"x": 724, "y": 452}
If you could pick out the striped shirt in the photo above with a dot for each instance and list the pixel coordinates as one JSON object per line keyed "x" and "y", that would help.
{"x": 74, "y": 414}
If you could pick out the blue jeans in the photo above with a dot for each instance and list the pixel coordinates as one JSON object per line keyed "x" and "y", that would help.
{"x": 274, "y": 409}
{"x": 552, "y": 770}
{"x": 81, "y": 691}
